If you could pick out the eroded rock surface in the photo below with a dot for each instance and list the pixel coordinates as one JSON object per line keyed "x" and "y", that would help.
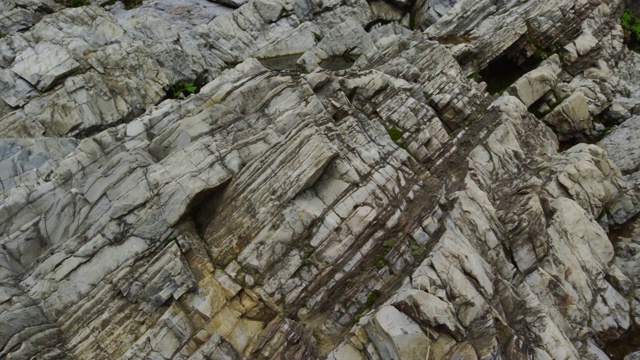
{"x": 366, "y": 200}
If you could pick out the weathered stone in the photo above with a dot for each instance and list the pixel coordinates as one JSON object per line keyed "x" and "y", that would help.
{"x": 14, "y": 90}
{"x": 346, "y": 39}
{"x": 269, "y": 10}
{"x": 183, "y": 16}
{"x": 571, "y": 116}
{"x": 536, "y": 83}
{"x": 27, "y": 159}
{"x": 396, "y": 336}
{"x": 634, "y": 356}
{"x": 44, "y": 65}
{"x": 621, "y": 149}
{"x": 389, "y": 209}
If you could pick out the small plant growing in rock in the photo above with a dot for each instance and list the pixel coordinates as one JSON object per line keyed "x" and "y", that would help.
{"x": 395, "y": 133}
{"x": 473, "y": 75}
{"x": 631, "y": 26}
{"x": 418, "y": 251}
{"x": 2, "y": 35}
{"x": 373, "y": 296}
{"x": 627, "y": 20}
{"x": 378, "y": 261}
{"x": 388, "y": 244}
{"x": 183, "y": 89}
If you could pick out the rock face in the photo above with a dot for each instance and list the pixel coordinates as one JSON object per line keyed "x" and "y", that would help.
{"x": 536, "y": 83}
{"x": 364, "y": 200}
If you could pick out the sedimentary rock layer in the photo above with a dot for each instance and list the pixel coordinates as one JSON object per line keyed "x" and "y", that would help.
{"x": 299, "y": 179}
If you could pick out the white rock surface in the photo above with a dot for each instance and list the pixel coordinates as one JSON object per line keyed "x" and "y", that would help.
{"x": 534, "y": 84}
{"x": 571, "y": 116}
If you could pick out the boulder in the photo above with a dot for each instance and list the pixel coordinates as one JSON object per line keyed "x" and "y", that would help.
{"x": 571, "y": 116}
{"x": 534, "y": 84}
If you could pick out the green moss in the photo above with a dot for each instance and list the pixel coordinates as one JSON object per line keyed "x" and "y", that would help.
{"x": 418, "y": 251}
{"x": 605, "y": 211}
{"x": 388, "y": 244}
{"x": 2, "y": 35}
{"x": 635, "y": 29}
{"x": 607, "y": 129}
{"x": 378, "y": 262}
{"x": 371, "y": 299}
{"x": 308, "y": 252}
{"x": 539, "y": 54}
{"x": 473, "y": 75}
{"x": 318, "y": 37}
{"x": 395, "y": 133}
{"x": 556, "y": 103}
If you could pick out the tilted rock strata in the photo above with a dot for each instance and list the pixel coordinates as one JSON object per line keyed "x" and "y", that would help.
{"x": 272, "y": 215}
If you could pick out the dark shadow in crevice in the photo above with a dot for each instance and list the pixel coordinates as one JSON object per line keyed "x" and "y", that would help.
{"x": 335, "y": 63}
{"x": 78, "y": 133}
{"x": 373, "y": 23}
{"x": 503, "y": 71}
{"x": 591, "y": 136}
{"x": 283, "y": 63}
{"x": 203, "y": 207}
{"x": 183, "y": 88}
{"x": 623, "y": 346}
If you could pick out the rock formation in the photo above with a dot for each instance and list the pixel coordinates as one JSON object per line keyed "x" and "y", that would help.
{"x": 391, "y": 179}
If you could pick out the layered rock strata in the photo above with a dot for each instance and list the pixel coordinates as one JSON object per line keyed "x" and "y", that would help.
{"x": 341, "y": 186}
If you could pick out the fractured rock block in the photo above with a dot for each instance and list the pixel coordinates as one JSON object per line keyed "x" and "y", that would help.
{"x": 571, "y": 116}
{"x": 44, "y": 64}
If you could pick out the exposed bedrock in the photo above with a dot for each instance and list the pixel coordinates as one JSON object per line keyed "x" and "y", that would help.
{"x": 319, "y": 180}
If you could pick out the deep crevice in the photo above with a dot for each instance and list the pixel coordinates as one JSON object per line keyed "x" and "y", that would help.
{"x": 283, "y": 63}
{"x": 623, "y": 346}
{"x": 500, "y": 73}
{"x": 335, "y": 63}
{"x": 185, "y": 87}
{"x": 373, "y": 23}
{"x": 203, "y": 207}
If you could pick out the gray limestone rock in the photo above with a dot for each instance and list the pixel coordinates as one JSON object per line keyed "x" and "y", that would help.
{"x": 571, "y": 116}
{"x": 44, "y": 64}
{"x": 620, "y": 144}
{"x": 534, "y": 84}
{"x": 18, "y": 15}
{"x": 389, "y": 208}
{"x": 346, "y": 39}
{"x": 28, "y": 159}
